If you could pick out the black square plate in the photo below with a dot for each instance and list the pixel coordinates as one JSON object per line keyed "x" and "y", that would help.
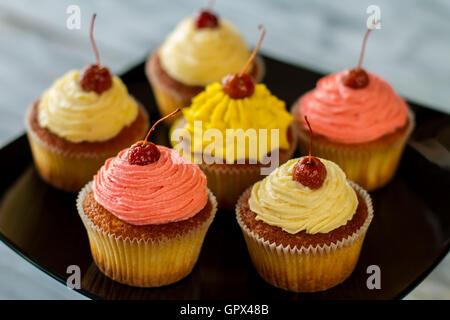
{"x": 409, "y": 235}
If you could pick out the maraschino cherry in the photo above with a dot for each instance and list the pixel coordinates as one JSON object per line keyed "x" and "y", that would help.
{"x": 95, "y": 77}
{"x": 242, "y": 85}
{"x": 357, "y": 78}
{"x": 206, "y": 18}
{"x": 143, "y": 152}
{"x": 310, "y": 171}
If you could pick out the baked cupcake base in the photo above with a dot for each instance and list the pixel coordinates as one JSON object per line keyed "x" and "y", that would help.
{"x": 229, "y": 181}
{"x": 69, "y": 166}
{"x": 171, "y": 94}
{"x": 371, "y": 165}
{"x": 305, "y": 262}
{"x": 143, "y": 256}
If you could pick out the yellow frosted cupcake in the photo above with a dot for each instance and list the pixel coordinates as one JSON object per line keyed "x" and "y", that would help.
{"x": 304, "y": 225}
{"x": 80, "y": 121}
{"x": 201, "y": 50}
{"x": 237, "y": 131}
{"x": 360, "y": 123}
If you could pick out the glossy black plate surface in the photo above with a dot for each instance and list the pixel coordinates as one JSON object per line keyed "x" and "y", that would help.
{"x": 409, "y": 235}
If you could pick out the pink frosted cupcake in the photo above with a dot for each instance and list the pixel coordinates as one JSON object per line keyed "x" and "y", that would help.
{"x": 359, "y": 122}
{"x": 146, "y": 213}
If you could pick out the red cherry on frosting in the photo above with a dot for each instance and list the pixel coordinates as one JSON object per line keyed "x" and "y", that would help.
{"x": 238, "y": 86}
{"x": 357, "y": 78}
{"x": 242, "y": 85}
{"x": 206, "y": 19}
{"x": 95, "y": 77}
{"x": 310, "y": 171}
{"x": 143, "y": 152}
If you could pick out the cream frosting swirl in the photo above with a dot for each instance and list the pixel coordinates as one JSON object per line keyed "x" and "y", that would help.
{"x": 168, "y": 190}
{"x": 280, "y": 201}
{"x": 77, "y": 115}
{"x": 347, "y": 115}
{"x": 198, "y": 57}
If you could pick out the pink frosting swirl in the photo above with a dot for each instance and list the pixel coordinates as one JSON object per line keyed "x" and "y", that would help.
{"x": 347, "y": 115}
{"x": 168, "y": 190}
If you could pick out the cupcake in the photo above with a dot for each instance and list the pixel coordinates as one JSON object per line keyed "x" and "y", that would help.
{"x": 304, "y": 225}
{"x": 229, "y": 131}
{"x": 146, "y": 213}
{"x": 360, "y": 123}
{"x": 80, "y": 121}
{"x": 201, "y": 50}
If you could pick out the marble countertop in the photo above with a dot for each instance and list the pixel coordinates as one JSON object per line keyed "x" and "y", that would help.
{"x": 411, "y": 51}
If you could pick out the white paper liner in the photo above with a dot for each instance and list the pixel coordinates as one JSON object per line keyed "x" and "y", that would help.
{"x": 170, "y": 262}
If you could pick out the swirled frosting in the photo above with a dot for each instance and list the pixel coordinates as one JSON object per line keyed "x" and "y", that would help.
{"x": 347, "y": 115}
{"x": 198, "y": 57}
{"x": 168, "y": 190}
{"x": 280, "y": 201}
{"x": 77, "y": 115}
{"x": 260, "y": 113}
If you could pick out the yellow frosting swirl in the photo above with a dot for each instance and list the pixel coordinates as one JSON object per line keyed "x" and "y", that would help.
{"x": 76, "y": 115}
{"x": 280, "y": 201}
{"x": 198, "y": 57}
{"x": 216, "y": 110}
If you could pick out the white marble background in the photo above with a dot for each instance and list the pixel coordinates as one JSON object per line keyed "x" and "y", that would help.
{"x": 411, "y": 51}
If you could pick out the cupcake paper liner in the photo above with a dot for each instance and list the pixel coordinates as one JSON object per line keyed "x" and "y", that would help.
{"x": 306, "y": 269}
{"x": 68, "y": 171}
{"x": 144, "y": 263}
{"x": 229, "y": 181}
{"x": 169, "y": 99}
{"x": 371, "y": 165}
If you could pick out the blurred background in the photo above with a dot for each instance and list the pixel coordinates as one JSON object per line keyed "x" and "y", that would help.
{"x": 411, "y": 51}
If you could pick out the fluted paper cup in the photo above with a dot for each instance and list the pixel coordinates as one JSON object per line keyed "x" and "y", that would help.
{"x": 144, "y": 263}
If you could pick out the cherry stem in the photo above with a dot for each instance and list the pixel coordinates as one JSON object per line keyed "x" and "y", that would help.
{"x": 255, "y": 51}
{"x": 310, "y": 139}
{"x": 363, "y": 48}
{"x": 91, "y": 34}
{"x": 160, "y": 120}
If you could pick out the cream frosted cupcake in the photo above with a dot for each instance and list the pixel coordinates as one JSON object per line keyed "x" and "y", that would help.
{"x": 80, "y": 121}
{"x": 201, "y": 50}
{"x": 305, "y": 236}
{"x": 235, "y": 130}
{"x": 359, "y": 122}
{"x": 146, "y": 213}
